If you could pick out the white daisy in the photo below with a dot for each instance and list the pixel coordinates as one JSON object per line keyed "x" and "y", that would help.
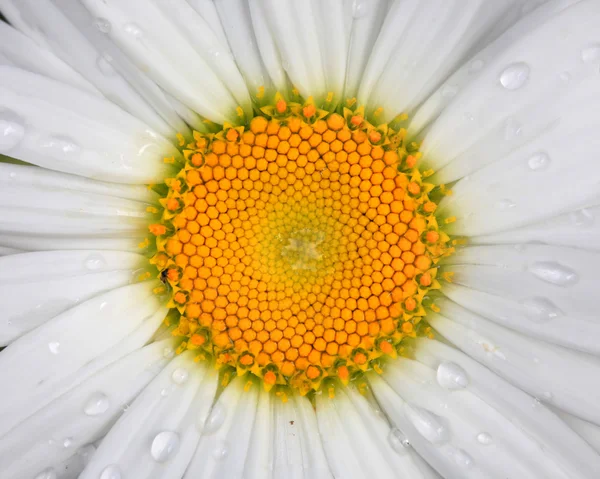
{"x": 299, "y": 239}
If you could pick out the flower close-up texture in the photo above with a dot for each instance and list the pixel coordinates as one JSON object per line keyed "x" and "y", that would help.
{"x": 299, "y": 239}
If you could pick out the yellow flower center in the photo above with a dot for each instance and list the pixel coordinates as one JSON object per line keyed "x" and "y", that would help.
{"x": 299, "y": 247}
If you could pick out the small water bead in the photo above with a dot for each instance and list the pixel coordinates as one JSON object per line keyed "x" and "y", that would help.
{"x": 583, "y": 218}
{"x": 565, "y": 77}
{"x": 505, "y": 204}
{"x": 554, "y": 273}
{"x": 164, "y": 392}
{"x": 215, "y": 420}
{"x": 462, "y": 459}
{"x": 428, "y": 424}
{"x": 484, "y": 439}
{"x": 54, "y": 347}
{"x": 97, "y": 404}
{"x": 540, "y": 310}
{"x": 180, "y": 376}
{"x": 47, "y": 474}
{"x": 591, "y": 54}
{"x": 168, "y": 353}
{"x": 398, "y": 441}
{"x": 221, "y": 450}
{"x": 103, "y": 25}
{"x": 61, "y": 146}
{"x": 538, "y": 161}
{"x": 111, "y": 472}
{"x": 104, "y": 64}
{"x": 452, "y": 376}
{"x": 360, "y": 8}
{"x": 68, "y": 442}
{"x": 449, "y": 91}
{"x": 512, "y": 129}
{"x": 134, "y": 30}
{"x": 11, "y": 132}
{"x": 515, "y": 76}
{"x": 94, "y": 262}
{"x": 164, "y": 446}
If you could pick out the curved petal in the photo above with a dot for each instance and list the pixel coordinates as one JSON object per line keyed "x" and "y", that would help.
{"x": 35, "y": 287}
{"x": 226, "y": 434}
{"x": 79, "y": 417}
{"x": 49, "y": 360}
{"x": 587, "y": 430}
{"x": 359, "y": 443}
{"x": 468, "y": 423}
{"x": 157, "y": 435}
{"x": 556, "y": 375}
{"x": 285, "y": 441}
{"x": 543, "y": 291}
{"x": 62, "y": 128}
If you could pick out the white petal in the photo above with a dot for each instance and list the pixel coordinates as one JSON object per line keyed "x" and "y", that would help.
{"x": 587, "y": 430}
{"x": 48, "y": 360}
{"x": 543, "y": 291}
{"x": 358, "y": 441}
{"x": 157, "y": 436}
{"x": 80, "y": 416}
{"x": 63, "y": 128}
{"x": 419, "y": 44}
{"x": 486, "y": 429}
{"x": 176, "y": 54}
{"x": 5, "y": 251}
{"x": 557, "y": 375}
{"x": 225, "y": 440}
{"x": 35, "y": 287}
{"x": 285, "y": 441}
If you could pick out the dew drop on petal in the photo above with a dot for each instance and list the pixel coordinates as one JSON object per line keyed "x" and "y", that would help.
{"x": 582, "y": 218}
{"x": 462, "y": 459}
{"x": 398, "y": 441}
{"x": 505, "y": 204}
{"x": 60, "y": 147}
{"x": 86, "y": 453}
{"x": 104, "y": 64}
{"x": 591, "y": 54}
{"x": 452, "y": 376}
{"x": 221, "y": 450}
{"x": 215, "y": 419}
{"x": 164, "y": 392}
{"x": 111, "y": 472}
{"x": 428, "y": 424}
{"x": 484, "y": 438}
{"x": 164, "y": 446}
{"x": 554, "y": 273}
{"x": 180, "y": 376}
{"x": 168, "y": 353}
{"x": 360, "y": 8}
{"x": 515, "y": 76}
{"x": 94, "y": 262}
{"x": 540, "y": 310}
{"x": 538, "y": 161}
{"x": 12, "y": 131}
{"x": 449, "y": 91}
{"x": 54, "y": 347}
{"x": 103, "y": 25}
{"x": 96, "y": 405}
{"x": 133, "y": 29}
{"x": 47, "y": 474}
{"x": 512, "y": 129}
{"x": 68, "y": 442}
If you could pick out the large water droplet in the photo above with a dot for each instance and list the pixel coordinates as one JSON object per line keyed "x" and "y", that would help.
{"x": 12, "y": 130}
{"x": 111, "y": 472}
{"x": 540, "y": 310}
{"x": 94, "y": 262}
{"x": 134, "y": 30}
{"x": 538, "y": 161}
{"x": 47, "y": 474}
{"x": 180, "y": 376}
{"x": 54, "y": 347}
{"x": 215, "y": 420}
{"x": 398, "y": 441}
{"x": 462, "y": 459}
{"x": 96, "y": 405}
{"x": 428, "y": 424}
{"x": 484, "y": 439}
{"x": 452, "y": 376}
{"x": 103, "y": 25}
{"x": 591, "y": 54}
{"x": 515, "y": 76}
{"x": 582, "y": 218}
{"x": 554, "y": 273}
{"x": 164, "y": 446}
{"x": 221, "y": 450}
{"x": 360, "y": 8}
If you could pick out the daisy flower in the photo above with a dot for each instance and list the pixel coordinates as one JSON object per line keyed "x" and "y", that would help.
{"x": 319, "y": 239}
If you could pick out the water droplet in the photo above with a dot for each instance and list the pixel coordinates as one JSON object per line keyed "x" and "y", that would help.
{"x": 47, "y": 474}
{"x": 452, "y": 376}
{"x": 12, "y": 174}
{"x": 215, "y": 420}
{"x": 484, "y": 439}
{"x": 360, "y": 8}
{"x": 104, "y": 64}
{"x": 68, "y": 442}
{"x": 54, "y": 347}
{"x": 538, "y": 161}
{"x": 468, "y": 117}
{"x": 12, "y": 130}
{"x": 111, "y": 472}
{"x": 164, "y": 445}
{"x": 103, "y": 25}
{"x": 505, "y": 204}
{"x": 548, "y": 396}
{"x": 221, "y": 450}
{"x": 591, "y": 54}
{"x": 565, "y": 77}
{"x": 554, "y": 273}
{"x": 512, "y": 129}
{"x": 428, "y": 424}
{"x": 398, "y": 440}
{"x": 180, "y": 376}
{"x": 61, "y": 146}
{"x": 462, "y": 459}
{"x": 94, "y": 262}
{"x": 164, "y": 392}
{"x": 475, "y": 66}
{"x": 449, "y": 91}
{"x": 168, "y": 353}
{"x": 515, "y": 76}
{"x": 96, "y": 405}
{"x": 134, "y": 30}
{"x": 86, "y": 453}
{"x": 582, "y": 218}
{"x": 540, "y": 310}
